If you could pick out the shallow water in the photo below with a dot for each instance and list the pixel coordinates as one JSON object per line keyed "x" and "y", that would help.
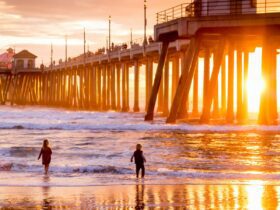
{"x": 91, "y": 148}
{"x": 188, "y": 166}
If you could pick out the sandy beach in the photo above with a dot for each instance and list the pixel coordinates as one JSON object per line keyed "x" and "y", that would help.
{"x": 140, "y": 196}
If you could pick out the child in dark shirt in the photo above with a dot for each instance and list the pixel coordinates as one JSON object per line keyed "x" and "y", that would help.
{"x": 139, "y": 160}
{"x": 46, "y": 153}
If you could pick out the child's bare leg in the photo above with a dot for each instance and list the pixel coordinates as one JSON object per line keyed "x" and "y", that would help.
{"x": 46, "y": 168}
{"x": 143, "y": 171}
{"x": 137, "y": 170}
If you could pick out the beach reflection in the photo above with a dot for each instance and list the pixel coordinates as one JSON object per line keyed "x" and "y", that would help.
{"x": 253, "y": 196}
{"x": 139, "y": 198}
{"x": 46, "y": 190}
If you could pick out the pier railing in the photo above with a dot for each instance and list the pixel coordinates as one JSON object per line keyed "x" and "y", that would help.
{"x": 199, "y": 8}
{"x": 117, "y": 49}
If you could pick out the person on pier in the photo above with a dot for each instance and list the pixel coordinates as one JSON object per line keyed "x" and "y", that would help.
{"x": 139, "y": 160}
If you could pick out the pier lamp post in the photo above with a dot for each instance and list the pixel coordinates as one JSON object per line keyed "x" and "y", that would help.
{"x": 131, "y": 38}
{"x": 66, "y": 50}
{"x": 109, "y": 34}
{"x": 51, "y": 56}
{"x": 145, "y": 22}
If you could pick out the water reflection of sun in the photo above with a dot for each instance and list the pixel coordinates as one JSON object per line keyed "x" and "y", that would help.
{"x": 254, "y": 194}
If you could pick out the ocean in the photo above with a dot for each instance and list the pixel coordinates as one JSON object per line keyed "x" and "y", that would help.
{"x": 93, "y": 149}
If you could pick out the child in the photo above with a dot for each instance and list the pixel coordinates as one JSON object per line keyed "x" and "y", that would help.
{"x": 139, "y": 160}
{"x": 46, "y": 153}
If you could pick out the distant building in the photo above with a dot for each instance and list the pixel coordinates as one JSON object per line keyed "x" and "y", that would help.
{"x": 6, "y": 59}
{"x": 24, "y": 60}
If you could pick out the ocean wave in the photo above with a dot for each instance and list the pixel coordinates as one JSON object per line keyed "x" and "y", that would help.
{"x": 23, "y": 151}
{"x": 55, "y": 119}
{"x": 15, "y": 167}
{"x": 157, "y": 173}
{"x": 146, "y": 127}
{"x": 218, "y": 175}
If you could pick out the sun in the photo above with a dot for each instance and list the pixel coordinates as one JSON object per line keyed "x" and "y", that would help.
{"x": 255, "y": 83}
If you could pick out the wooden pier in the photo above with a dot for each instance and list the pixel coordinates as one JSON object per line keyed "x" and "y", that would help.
{"x": 225, "y": 39}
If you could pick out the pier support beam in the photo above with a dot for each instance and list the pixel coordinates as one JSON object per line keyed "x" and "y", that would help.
{"x": 245, "y": 91}
{"x": 152, "y": 101}
{"x": 175, "y": 75}
{"x": 127, "y": 86}
{"x": 268, "y": 100}
{"x": 190, "y": 62}
{"x": 206, "y": 74}
{"x": 93, "y": 87}
{"x": 218, "y": 57}
{"x": 166, "y": 89}
{"x": 108, "y": 75}
{"x": 99, "y": 87}
{"x": 230, "y": 96}
{"x": 161, "y": 95}
{"x": 113, "y": 87}
{"x": 149, "y": 80}
{"x": 104, "y": 92}
{"x": 184, "y": 107}
{"x": 136, "y": 87}
{"x": 239, "y": 113}
{"x": 223, "y": 87}
{"x": 195, "y": 92}
{"x": 75, "y": 85}
{"x": 118, "y": 87}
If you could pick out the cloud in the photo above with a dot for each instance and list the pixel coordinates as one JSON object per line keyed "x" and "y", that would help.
{"x": 38, "y": 23}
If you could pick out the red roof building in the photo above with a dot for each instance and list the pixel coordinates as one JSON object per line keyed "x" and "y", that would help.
{"x": 6, "y": 59}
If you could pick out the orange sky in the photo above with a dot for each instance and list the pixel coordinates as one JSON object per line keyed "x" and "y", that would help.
{"x": 33, "y": 24}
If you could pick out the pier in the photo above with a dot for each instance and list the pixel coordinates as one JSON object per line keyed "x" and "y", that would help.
{"x": 219, "y": 33}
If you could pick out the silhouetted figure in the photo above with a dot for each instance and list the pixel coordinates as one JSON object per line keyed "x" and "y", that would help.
{"x": 197, "y": 8}
{"x": 139, "y": 160}
{"x": 151, "y": 40}
{"x": 46, "y": 154}
{"x": 42, "y": 67}
{"x": 124, "y": 46}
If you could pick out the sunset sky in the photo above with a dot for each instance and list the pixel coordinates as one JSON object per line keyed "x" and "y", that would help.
{"x": 34, "y": 25}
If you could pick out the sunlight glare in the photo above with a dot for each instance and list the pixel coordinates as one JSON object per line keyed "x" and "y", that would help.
{"x": 255, "y": 84}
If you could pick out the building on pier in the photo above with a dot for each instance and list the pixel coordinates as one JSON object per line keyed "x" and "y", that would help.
{"x": 24, "y": 60}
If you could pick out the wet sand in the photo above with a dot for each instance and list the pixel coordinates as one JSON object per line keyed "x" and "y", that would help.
{"x": 140, "y": 196}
